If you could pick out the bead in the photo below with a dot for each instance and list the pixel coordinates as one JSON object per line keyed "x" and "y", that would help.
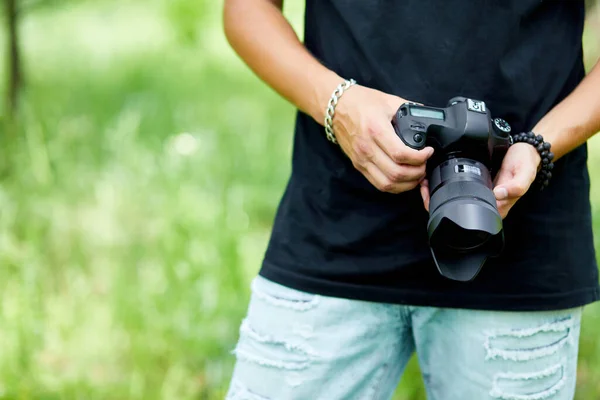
{"x": 539, "y": 138}
{"x": 548, "y": 174}
{"x": 544, "y": 154}
{"x": 550, "y": 155}
{"x": 546, "y": 183}
{"x": 550, "y": 166}
{"x": 540, "y": 148}
{"x": 545, "y": 161}
{"x": 546, "y": 145}
{"x": 530, "y": 141}
{"x": 530, "y": 135}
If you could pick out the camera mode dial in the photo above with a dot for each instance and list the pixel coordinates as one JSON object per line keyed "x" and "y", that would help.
{"x": 502, "y": 125}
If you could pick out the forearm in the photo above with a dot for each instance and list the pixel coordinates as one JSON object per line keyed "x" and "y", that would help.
{"x": 574, "y": 120}
{"x": 263, "y": 38}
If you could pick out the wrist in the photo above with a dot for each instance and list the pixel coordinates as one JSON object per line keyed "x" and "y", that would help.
{"x": 536, "y": 157}
{"x": 557, "y": 136}
{"x": 543, "y": 156}
{"x": 322, "y": 89}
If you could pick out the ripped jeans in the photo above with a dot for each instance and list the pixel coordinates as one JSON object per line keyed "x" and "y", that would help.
{"x": 295, "y": 345}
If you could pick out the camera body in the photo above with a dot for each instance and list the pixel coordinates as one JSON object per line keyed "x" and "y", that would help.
{"x": 465, "y": 227}
{"x": 464, "y": 128}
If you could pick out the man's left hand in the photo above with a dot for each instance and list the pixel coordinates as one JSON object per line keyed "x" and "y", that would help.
{"x": 517, "y": 173}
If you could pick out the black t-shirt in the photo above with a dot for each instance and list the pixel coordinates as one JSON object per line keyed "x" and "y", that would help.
{"x": 335, "y": 234}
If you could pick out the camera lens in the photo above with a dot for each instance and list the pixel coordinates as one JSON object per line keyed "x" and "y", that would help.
{"x": 464, "y": 227}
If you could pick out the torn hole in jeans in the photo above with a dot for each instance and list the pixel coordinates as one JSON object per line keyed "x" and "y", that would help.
{"x": 270, "y": 351}
{"x": 240, "y": 392}
{"x": 529, "y": 386}
{"x": 287, "y": 298}
{"x": 530, "y": 343}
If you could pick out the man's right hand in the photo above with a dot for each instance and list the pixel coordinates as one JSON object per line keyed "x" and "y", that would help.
{"x": 363, "y": 129}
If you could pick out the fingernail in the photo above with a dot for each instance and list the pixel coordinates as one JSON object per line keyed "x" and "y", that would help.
{"x": 501, "y": 193}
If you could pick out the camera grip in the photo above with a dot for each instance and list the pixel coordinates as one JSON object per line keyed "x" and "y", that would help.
{"x": 412, "y": 133}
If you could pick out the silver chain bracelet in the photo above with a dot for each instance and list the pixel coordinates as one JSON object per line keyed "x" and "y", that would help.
{"x": 337, "y": 93}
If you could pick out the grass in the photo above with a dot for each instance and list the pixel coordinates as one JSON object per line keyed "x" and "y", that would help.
{"x": 135, "y": 204}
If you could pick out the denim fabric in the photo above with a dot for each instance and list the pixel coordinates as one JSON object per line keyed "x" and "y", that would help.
{"x": 295, "y": 345}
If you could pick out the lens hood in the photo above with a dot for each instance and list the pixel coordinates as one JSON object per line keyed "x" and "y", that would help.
{"x": 463, "y": 233}
{"x": 464, "y": 227}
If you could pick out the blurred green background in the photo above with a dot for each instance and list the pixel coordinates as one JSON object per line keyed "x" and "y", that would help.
{"x": 138, "y": 183}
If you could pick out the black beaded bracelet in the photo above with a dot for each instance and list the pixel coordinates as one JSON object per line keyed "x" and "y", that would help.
{"x": 543, "y": 148}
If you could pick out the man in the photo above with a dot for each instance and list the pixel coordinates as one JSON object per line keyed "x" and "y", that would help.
{"x": 348, "y": 289}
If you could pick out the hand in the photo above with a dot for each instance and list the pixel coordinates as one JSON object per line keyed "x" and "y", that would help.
{"x": 363, "y": 129}
{"x": 517, "y": 173}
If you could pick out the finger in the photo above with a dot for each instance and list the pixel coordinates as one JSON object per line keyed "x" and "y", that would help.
{"x": 515, "y": 187}
{"x": 500, "y": 205}
{"x": 425, "y": 193}
{"x": 384, "y": 184}
{"x": 500, "y": 193}
{"x": 502, "y": 176}
{"x": 396, "y": 150}
{"x": 504, "y": 207}
{"x": 512, "y": 183}
{"x": 394, "y": 172}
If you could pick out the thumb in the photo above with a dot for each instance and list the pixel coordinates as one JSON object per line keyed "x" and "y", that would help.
{"x": 514, "y": 187}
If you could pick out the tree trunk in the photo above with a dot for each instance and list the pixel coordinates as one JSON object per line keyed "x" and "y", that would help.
{"x": 15, "y": 73}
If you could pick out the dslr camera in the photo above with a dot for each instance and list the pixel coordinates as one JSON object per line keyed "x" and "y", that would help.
{"x": 464, "y": 227}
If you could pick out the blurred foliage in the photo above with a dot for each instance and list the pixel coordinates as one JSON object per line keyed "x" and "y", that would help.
{"x": 144, "y": 177}
{"x": 187, "y": 17}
